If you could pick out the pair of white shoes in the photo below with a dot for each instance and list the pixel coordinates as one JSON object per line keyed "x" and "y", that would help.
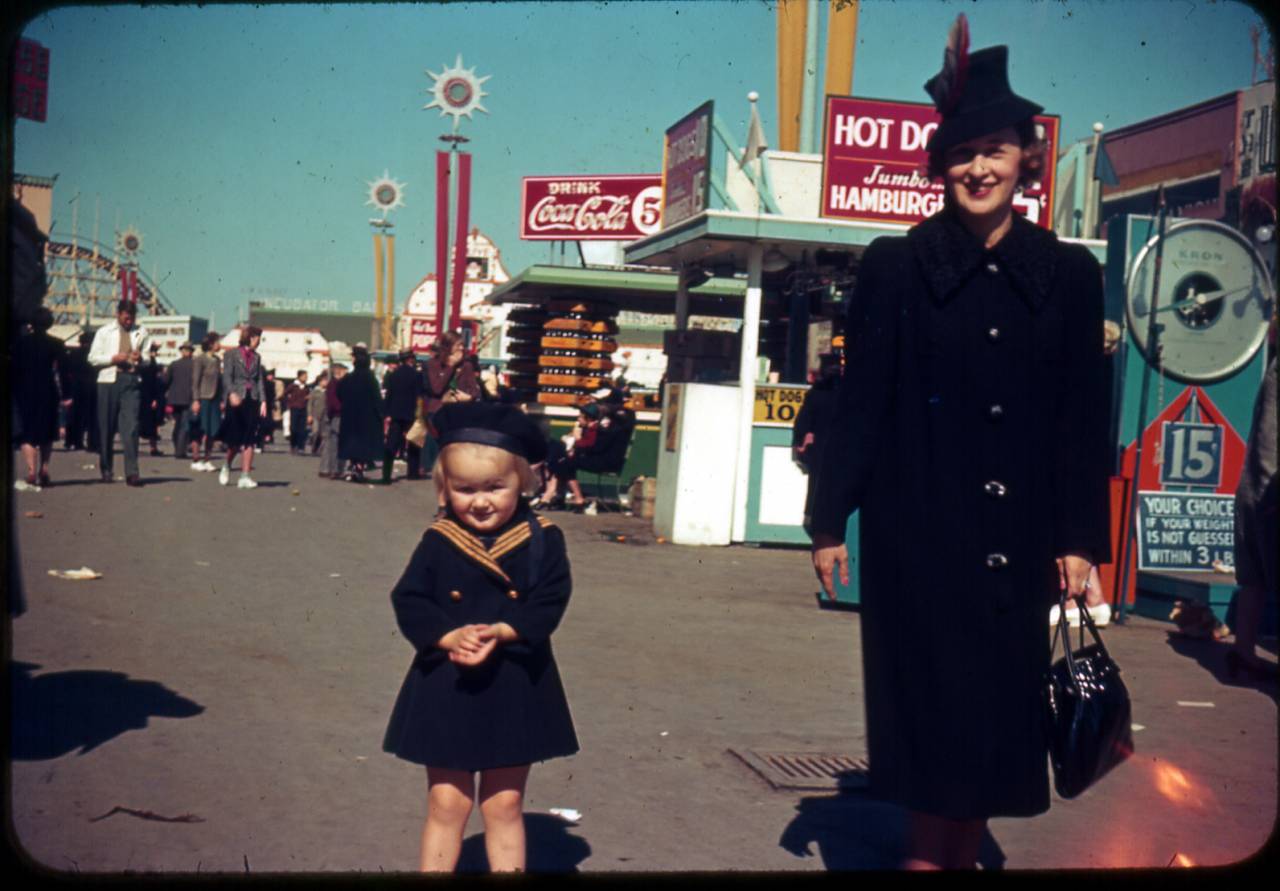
{"x": 1101, "y": 615}
{"x": 203, "y": 465}
{"x": 24, "y": 486}
{"x": 245, "y": 482}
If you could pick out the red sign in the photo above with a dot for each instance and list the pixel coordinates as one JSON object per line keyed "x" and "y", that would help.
{"x": 30, "y": 80}
{"x": 590, "y": 208}
{"x": 686, "y": 166}
{"x": 422, "y": 333}
{"x": 1230, "y": 460}
{"x": 874, "y": 163}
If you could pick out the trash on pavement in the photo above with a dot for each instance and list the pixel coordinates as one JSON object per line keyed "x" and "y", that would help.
{"x": 567, "y": 814}
{"x": 83, "y": 572}
{"x": 1189, "y": 704}
{"x": 33, "y": 514}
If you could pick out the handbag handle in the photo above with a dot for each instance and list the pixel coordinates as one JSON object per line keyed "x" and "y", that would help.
{"x": 1086, "y": 620}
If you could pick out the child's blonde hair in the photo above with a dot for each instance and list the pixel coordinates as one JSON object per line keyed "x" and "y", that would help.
{"x": 529, "y": 481}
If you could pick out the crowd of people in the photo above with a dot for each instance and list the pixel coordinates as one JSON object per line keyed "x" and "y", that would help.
{"x": 225, "y": 403}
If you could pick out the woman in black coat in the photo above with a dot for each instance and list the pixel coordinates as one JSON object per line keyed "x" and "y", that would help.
{"x": 360, "y": 437}
{"x": 971, "y": 435}
{"x": 38, "y": 364}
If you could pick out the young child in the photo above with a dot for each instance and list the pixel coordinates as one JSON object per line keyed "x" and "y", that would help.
{"x": 482, "y": 593}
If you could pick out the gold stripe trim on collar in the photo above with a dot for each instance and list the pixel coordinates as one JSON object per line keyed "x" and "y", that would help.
{"x": 472, "y": 547}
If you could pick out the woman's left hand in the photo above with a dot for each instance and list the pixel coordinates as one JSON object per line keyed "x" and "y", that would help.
{"x": 262, "y": 409}
{"x": 1073, "y": 573}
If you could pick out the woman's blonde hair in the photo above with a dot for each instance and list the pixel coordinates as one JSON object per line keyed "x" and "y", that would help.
{"x": 529, "y": 481}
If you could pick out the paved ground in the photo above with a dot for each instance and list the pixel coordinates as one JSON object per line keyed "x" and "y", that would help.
{"x": 236, "y": 664}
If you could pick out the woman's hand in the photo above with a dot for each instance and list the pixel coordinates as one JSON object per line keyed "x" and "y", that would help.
{"x": 1073, "y": 574}
{"x": 262, "y": 409}
{"x": 828, "y": 553}
{"x": 234, "y": 399}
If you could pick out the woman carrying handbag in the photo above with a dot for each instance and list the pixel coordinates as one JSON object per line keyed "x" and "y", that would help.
{"x": 970, "y": 434}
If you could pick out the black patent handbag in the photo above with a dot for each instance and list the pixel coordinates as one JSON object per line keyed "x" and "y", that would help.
{"x": 1086, "y": 708}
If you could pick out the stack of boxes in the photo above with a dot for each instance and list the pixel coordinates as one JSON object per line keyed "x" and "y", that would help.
{"x": 563, "y": 352}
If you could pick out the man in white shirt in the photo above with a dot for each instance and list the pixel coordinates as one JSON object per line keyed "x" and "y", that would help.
{"x": 117, "y": 353}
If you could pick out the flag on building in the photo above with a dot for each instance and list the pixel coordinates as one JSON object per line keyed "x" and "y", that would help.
{"x": 755, "y": 138}
{"x": 1103, "y": 170}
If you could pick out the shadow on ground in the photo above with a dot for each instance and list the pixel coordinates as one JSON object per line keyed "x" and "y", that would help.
{"x": 1211, "y": 655}
{"x": 59, "y": 712}
{"x": 550, "y": 847}
{"x": 852, "y": 831}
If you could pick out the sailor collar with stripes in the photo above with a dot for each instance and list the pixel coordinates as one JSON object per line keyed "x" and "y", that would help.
{"x": 473, "y": 548}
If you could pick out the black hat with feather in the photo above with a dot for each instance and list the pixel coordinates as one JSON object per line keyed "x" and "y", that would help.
{"x": 972, "y": 92}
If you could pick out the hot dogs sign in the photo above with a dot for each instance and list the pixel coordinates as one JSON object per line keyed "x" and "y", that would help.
{"x": 590, "y": 208}
{"x": 874, "y": 163}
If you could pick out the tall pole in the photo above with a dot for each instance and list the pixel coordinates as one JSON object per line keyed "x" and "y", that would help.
{"x": 378, "y": 260}
{"x": 792, "y": 23}
{"x": 389, "y": 319}
{"x": 442, "y": 237}
{"x": 809, "y": 91}
{"x": 1153, "y": 354}
{"x": 460, "y": 237}
{"x": 748, "y": 349}
{"x": 842, "y": 35}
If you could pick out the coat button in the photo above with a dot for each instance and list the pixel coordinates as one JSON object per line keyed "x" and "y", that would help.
{"x": 995, "y": 489}
{"x": 997, "y": 561}
{"x": 992, "y": 267}
{"x": 513, "y": 593}
{"x": 995, "y": 412}
{"x": 993, "y": 334}
{"x": 455, "y": 595}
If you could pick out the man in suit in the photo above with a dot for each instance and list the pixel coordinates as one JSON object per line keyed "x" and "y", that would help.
{"x": 178, "y": 378}
{"x": 117, "y": 354}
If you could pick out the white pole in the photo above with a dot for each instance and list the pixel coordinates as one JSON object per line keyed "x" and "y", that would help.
{"x": 750, "y": 339}
{"x": 808, "y": 93}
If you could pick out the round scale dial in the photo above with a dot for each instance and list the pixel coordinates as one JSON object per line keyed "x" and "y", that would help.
{"x": 1214, "y": 302}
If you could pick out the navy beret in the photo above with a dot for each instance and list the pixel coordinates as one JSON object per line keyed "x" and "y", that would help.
{"x": 493, "y": 424}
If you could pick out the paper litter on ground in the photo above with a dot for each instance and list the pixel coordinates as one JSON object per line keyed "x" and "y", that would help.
{"x": 566, "y": 813}
{"x": 32, "y": 514}
{"x": 83, "y": 572}
{"x": 1187, "y": 704}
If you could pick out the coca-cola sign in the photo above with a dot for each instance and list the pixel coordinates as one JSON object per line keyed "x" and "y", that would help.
{"x": 590, "y": 208}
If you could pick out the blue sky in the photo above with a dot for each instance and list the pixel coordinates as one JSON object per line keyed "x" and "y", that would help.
{"x": 240, "y": 140}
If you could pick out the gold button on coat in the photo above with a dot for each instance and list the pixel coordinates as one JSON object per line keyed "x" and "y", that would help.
{"x": 513, "y": 593}
{"x": 456, "y": 595}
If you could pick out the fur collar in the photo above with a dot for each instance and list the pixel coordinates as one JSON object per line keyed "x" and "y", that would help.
{"x": 948, "y": 254}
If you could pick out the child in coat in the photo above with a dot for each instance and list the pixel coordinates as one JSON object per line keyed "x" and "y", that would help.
{"x": 482, "y": 593}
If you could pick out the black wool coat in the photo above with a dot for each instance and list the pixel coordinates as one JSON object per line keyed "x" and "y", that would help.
{"x": 360, "y": 436}
{"x": 510, "y": 709}
{"x": 403, "y": 386}
{"x": 971, "y": 435}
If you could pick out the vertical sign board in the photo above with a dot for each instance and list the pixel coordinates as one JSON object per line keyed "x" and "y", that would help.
{"x": 686, "y": 166}
{"x": 30, "y": 80}
{"x": 874, "y": 163}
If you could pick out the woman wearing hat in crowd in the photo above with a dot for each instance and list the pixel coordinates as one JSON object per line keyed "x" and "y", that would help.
{"x": 360, "y": 435}
{"x": 970, "y": 434}
{"x": 206, "y": 406}
{"x": 483, "y": 592}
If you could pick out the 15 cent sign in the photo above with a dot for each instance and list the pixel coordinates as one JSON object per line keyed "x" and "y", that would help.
{"x": 874, "y": 162}
{"x": 590, "y": 208}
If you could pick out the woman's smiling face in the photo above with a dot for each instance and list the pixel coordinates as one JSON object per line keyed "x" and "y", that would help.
{"x": 982, "y": 174}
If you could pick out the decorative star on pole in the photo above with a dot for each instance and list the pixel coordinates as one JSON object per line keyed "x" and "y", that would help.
{"x": 386, "y": 194}
{"x": 129, "y": 242}
{"x": 457, "y": 91}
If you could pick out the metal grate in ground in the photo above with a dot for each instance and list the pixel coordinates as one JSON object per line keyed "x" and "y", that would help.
{"x": 806, "y": 770}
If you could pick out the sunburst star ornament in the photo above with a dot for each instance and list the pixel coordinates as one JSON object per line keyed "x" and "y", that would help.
{"x": 386, "y": 194}
{"x": 129, "y": 242}
{"x": 456, "y": 91}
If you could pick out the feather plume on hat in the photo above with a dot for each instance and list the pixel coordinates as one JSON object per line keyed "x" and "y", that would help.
{"x": 948, "y": 86}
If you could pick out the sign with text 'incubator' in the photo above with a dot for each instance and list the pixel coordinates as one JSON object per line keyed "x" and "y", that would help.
{"x": 874, "y": 163}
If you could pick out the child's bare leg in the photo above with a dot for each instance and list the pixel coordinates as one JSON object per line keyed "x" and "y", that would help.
{"x": 502, "y": 806}
{"x": 450, "y": 794}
